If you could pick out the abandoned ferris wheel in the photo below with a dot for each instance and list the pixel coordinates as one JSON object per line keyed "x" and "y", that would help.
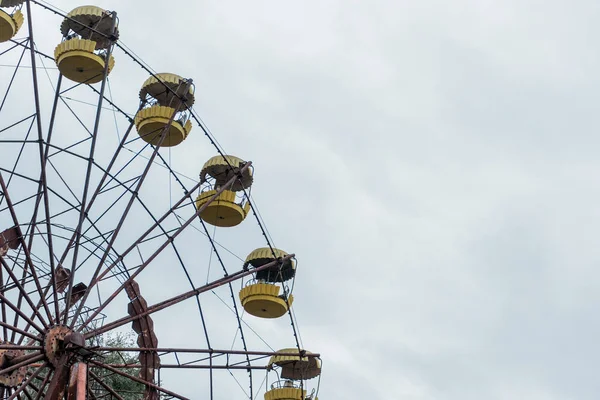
{"x": 93, "y": 242}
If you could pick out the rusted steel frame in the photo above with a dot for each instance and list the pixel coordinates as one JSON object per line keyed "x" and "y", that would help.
{"x": 105, "y": 386}
{"x": 23, "y": 291}
{"x": 58, "y": 383}
{"x": 24, "y": 246}
{"x": 21, "y": 313}
{"x": 77, "y": 382}
{"x": 178, "y": 299}
{"x": 138, "y": 380}
{"x": 27, "y": 381}
{"x": 24, "y": 357}
{"x": 116, "y": 231}
{"x": 21, "y": 331}
{"x": 191, "y": 366}
{"x": 86, "y": 186}
{"x": 160, "y": 249}
{"x": 36, "y": 96}
{"x": 29, "y": 360}
{"x": 14, "y": 347}
{"x": 43, "y": 386}
{"x": 3, "y": 306}
{"x": 202, "y": 351}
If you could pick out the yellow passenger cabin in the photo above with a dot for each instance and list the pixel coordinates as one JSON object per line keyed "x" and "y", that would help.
{"x": 88, "y": 33}
{"x": 11, "y": 19}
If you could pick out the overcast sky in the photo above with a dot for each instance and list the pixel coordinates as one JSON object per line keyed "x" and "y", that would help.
{"x": 431, "y": 163}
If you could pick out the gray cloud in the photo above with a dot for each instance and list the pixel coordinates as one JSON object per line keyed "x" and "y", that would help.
{"x": 431, "y": 164}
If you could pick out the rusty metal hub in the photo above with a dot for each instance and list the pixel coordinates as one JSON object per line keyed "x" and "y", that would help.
{"x": 54, "y": 342}
{"x": 13, "y": 378}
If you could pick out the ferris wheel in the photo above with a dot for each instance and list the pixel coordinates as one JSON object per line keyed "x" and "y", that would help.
{"x": 101, "y": 235}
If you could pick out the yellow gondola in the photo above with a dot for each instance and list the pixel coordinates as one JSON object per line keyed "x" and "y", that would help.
{"x": 226, "y": 210}
{"x": 10, "y": 24}
{"x": 263, "y": 300}
{"x": 81, "y": 57}
{"x": 294, "y": 366}
{"x": 165, "y": 100}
